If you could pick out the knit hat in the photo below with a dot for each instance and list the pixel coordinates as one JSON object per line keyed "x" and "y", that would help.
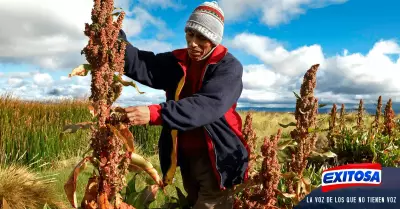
{"x": 208, "y": 20}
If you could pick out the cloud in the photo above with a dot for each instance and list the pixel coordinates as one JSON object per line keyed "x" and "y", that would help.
{"x": 253, "y": 73}
{"x": 15, "y": 82}
{"x": 262, "y": 86}
{"x": 345, "y": 77}
{"x": 355, "y": 73}
{"x": 124, "y": 4}
{"x": 19, "y": 74}
{"x": 152, "y": 45}
{"x": 43, "y": 79}
{"x": 134, "y": 26}
{"x": 45, "y": 86}
{"x": 273, "y": 53}
{"x": 130, "y": 97}
{"x": 42, "y": 32}
{"x": 46, "y": 34}
{"x": 42, "y": 86}
{"x": 272, "y": 12}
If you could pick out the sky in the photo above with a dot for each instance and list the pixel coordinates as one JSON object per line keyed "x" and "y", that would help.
{"x": 356, "y": 43}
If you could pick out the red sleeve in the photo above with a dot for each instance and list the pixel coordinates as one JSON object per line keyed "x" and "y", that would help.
{"x": 155, "y": 114}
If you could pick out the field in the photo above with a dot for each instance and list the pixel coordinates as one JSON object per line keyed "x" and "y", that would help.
{"x": 30, "y": 137}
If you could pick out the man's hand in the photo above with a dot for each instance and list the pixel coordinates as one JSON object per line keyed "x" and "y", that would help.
{"x": 139, "y": 115}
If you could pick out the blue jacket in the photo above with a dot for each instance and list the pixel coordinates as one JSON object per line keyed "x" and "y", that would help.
{"x": 213, "y": 107}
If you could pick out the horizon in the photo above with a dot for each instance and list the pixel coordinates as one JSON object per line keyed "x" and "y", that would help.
{"x": 369, "y": 108}
{"x": 355, "y": 43}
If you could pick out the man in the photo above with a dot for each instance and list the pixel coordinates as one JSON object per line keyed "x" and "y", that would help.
{"x": 202, "y": 83}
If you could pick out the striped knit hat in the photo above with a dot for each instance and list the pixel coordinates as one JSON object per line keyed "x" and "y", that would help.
{"x": 208, "y": 20}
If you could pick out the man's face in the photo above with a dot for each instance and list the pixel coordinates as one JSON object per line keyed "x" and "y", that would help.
{"x": 198, "y": 45}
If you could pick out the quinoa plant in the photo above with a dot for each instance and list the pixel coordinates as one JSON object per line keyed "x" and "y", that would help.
{"x": 270, "y": 171}
{"x": 110, "y": 126}
{"x": 389, "y": 119}
{"x": 360, "y": 115}
{"x": 342, "y": 120}
{"x": 332, "y": 127}
{"x": 244, "y": 201}
{"x": 251, "y": 138}
{"x": 298, "y": 185}
{"x": 262, "y": 192}
{"x": 284, "y": 183}
{"x": 378, "y": 113}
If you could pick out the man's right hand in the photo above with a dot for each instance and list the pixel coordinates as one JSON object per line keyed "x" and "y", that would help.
{"x": 138, "y": 115}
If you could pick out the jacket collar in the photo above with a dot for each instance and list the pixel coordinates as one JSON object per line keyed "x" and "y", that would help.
{"x": 217, "y": 54}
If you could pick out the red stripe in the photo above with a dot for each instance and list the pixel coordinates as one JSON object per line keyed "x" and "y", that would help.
{"x": 213, "y": 10}
{"x": 211, "y": 154}
{"x": 376, "y": 166}
{"x": 235, "y": 123}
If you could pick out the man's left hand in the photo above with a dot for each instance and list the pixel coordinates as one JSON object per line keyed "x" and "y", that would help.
{"x": 139, "y": 115}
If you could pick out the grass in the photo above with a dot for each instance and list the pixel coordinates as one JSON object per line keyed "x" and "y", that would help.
{"x": 62, "y": 174}
{"x": 29, "y": 131}
{"x": 32, "y": 191}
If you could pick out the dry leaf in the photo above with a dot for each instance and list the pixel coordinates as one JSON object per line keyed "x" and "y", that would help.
{"x": 90, "y": 199}
{"x": 149, "y": 194}
{"x": 145, "y": 165}
{"x": 122, "y": 133}
{"x": 125, "y": 206}
{"x": 103, "y": 202}
{"x": 72, "y": 128}
{"x": 81, "y": 70}
{"x": 92, "y": 110}
{"x": 5, "y": 204}
{"x": 70, "y": 186}
{"x": 127, "y": 83}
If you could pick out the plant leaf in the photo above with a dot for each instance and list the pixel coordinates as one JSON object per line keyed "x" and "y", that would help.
{"x": 124, "y": 205}
{"x": 122, "y": 133}
{"x": 316, "y": 130}
{"x": 306, "y": 180}
{"x": 70, "y": 186}
{"x": 287, "y": 195}
{"x": 127, "y": 83}
{"x": 296, "y": 95}
{"x": 81, "y": 70}
{"x": 103, "y": 201}
{"x": 131, "y": 187}
{"x": 283, "y": 157}
{"x": 182, "y": 199}
{"x": 298, "y": 188}
{"x": 72, "y": 128}
{"x": 289, "y": 175}
{"x": 87, "y": 151}
{"x": 327, "y": 154}
{"x": 92, "y": 110}
{"x": 286, "y": 143}
{"x": 145, "y": 165}
{"x": 116, "y": 13}
{"x": 131, "y": 197}
{"x": 5, "y": 204}
{"x": 306, "y": 184}
{"x": 287, "y": 125}
{"x": 46, "y": 206}
{"x": 90, "y": 197}
{"x": 134, "y": 168}
{"x": 321, "y": 105}
{"x": 146, "y": 197}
